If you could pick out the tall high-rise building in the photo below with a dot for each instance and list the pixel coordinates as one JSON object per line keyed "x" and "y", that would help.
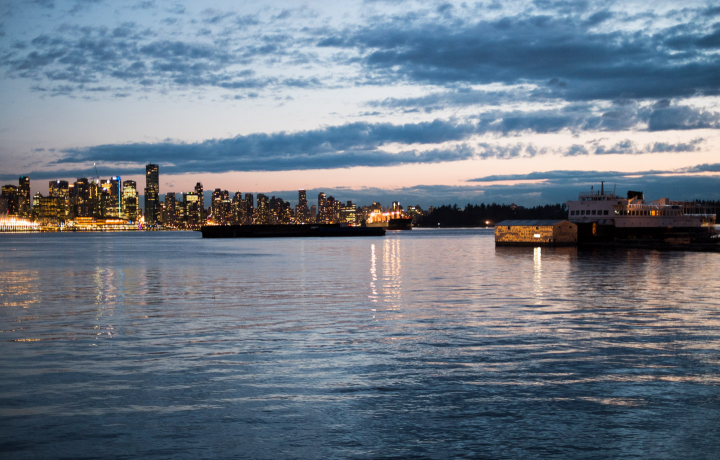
{"x": 170, "y": 208}
{"x": 152, "y": 194}
{"x": 191, "y": 205}
{"x": 80, "y": 199}
{"x": 249, "y": 208}
{"x": 113, "y": 204}
{"x": 313, "y": 212}
{"x": 60, "y": 189}
{"x": 348, "y": 213}
{"x": 130, "y": 201}
{"x": 221, "y": 206}
{"x": 23, "y": 196}
{"x": 262, "y": 214}
{"x": 238, "y": 209}
{"x": 201, "y": 201}
{"x": 322, "y": 209}
{"x": 302, "y": 213}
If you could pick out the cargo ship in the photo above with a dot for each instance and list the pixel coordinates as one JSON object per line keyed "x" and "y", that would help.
{"x": 604, "y": 217}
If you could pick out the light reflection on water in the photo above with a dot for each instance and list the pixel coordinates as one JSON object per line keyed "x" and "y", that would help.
{"x": 429, "y": 343}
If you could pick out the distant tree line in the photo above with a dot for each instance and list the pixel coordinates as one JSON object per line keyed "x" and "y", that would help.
{"x": 476, "y": 215}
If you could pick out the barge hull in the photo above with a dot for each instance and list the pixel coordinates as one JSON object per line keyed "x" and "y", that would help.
{"x": 287, "y": 231}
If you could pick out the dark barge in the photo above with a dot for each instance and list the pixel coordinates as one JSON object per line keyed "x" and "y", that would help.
{"x": 287, "y": 231}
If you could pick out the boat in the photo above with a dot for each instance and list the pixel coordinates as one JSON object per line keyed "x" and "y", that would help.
{"x": 400, "y": 223}
{"x": 604, "y": 217}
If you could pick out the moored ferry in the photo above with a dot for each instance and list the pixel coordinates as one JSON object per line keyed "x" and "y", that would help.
{"x": 604, "y": 216}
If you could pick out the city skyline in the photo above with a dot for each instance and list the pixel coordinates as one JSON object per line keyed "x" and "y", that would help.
{"x": 444, "y": 101}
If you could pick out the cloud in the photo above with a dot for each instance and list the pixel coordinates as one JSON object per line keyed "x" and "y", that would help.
{"x": 560, "y": 186}
{"x": 131, "y": 55}
{"x": 664, "y": 147}
{"x": 45, "y": 3}
{"x": 587, "y": 63}
{"x": 356, "y": 144}
{"x": 682, "y": 118}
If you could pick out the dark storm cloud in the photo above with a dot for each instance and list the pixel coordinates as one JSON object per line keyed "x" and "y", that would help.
{"x": 587, "y": 63}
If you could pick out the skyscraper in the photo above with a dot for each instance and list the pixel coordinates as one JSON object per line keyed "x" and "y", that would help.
{"x": 60, "y": 190}
{"x": 23, "y": 196}
{"x": 262, "y": 215}
{"x": 114, "y": 199}
{"x": 200, "y": 202}
{"x": 321, "y": 208}
{"x": 170, "y": 217}
{"x": 249, "y": 208}
{"x": 302, "y": 212}
{"x": 152, "y": 194}
{"x": 191, "y": 203}
{"x": 80, "y": 199}
{"x": 130, "y": 201}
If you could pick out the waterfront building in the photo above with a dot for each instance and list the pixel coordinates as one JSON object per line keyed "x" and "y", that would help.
{"x": 80, "y": 198}
{"x": 60, "y": 189}
{"x": 113, "y": 200}
{"x": 348, "y": 213}
{"x": 10, "y": 192}
{"x": 3, "y": 206}
{"x": 313, "y": 213}
{"x": 152, "y": 194}
{"x": 106, "y": 204}
{"x": 36, "y": 200}
{"x": 23, "y": 196}
{"x": 130, "y": 201}
{"x": 50, "y": 210}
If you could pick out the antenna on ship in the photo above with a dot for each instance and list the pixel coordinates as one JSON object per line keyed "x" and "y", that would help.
{"x": 602, "y": 188}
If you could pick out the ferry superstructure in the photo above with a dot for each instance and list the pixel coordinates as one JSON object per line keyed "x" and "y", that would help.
{"x": 604, "y": 215}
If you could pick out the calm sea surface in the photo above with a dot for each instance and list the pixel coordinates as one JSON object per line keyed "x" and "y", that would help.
{"x": 421, "y": 344}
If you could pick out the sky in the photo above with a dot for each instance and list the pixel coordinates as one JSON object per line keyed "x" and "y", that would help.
{"x": 430, "y": 103}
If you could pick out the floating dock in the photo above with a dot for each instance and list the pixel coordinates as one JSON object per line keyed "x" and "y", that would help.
{"x": 536, "y": 233}
{"x": 287, "y": 231}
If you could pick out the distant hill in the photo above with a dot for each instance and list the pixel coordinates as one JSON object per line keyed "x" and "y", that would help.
{"x": 478, "y": 215}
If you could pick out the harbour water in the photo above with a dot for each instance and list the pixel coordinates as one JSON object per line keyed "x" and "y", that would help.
{"x": 421, "y": 344}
